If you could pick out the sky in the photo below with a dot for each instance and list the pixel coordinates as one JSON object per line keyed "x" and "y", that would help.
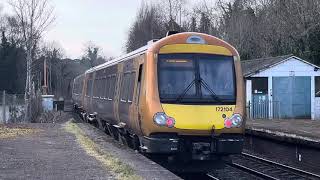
{"x": 104, "y": 23}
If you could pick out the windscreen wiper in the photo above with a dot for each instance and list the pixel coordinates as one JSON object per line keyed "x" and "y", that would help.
{"x": 213, "y": 94}
{"x": 185, "y": 90}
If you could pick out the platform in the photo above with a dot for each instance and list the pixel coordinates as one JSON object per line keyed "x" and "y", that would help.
{"x": 299, "y": 131}
{"x": 50, "y": 151}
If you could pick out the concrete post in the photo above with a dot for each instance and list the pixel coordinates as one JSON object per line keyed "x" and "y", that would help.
{"x": 4, "y": 107}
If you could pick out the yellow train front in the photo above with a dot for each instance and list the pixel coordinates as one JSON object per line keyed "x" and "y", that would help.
{"x": 193, "y": 98}
{"x": 181, "y": 96}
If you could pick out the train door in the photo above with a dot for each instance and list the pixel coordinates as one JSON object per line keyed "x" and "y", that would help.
{"x": 88, "y": 91}
{"x": 136, "y": 108}
{"x": 117, "y": 93}
{"x": 126, "y": 92}
{"x": 91, "y": 93}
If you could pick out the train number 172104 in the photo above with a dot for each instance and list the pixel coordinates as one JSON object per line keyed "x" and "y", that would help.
{"x": 223, "y": 109}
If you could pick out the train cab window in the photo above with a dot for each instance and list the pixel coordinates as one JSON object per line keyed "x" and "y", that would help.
{"x": 194, "y": 78}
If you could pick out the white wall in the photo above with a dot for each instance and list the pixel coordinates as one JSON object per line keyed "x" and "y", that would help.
{"x": 291, "y": 67}
{"x": 7, "y": 114}
{"x": 317, "y": 108}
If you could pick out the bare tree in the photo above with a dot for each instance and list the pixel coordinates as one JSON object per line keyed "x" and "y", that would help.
{"x": 33, "y": 17}
{"x": 149, "y": 24}
{"x": 175, "y": 11}
{"x": 92, "y": 54}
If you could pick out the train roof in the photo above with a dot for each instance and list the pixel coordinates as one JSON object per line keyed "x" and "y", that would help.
{"x": 122, "y": 58}
{"x": 138, "y": 52}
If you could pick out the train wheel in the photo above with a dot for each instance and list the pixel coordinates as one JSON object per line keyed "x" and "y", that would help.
{"x": 107, "y": 129}
{"x": 135, "y": 143}
{"x": 95, "y": 123}
{"x": 114, "y": 133}
{"x": 123, "y": 137}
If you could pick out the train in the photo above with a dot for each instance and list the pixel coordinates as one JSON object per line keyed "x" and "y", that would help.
{"x": 180, "y": 96}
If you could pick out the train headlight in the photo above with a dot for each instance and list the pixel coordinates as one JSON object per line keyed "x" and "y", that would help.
{"x": 170, "y": 122}
{"x": 234, "y": 121}
{"x": 161, "y": 119}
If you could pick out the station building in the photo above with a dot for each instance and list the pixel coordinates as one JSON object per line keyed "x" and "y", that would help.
{"x": 283, "y": 87}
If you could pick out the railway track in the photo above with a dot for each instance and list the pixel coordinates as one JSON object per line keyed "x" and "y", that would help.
{"x": 267, "y": 169}
{"x": 247, "y": 166}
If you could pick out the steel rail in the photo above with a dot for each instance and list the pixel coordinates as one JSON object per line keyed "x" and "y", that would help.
{"x": 212, "y": 177}
{"x": 252, "y": 171}
{"x": 296, "y": 170}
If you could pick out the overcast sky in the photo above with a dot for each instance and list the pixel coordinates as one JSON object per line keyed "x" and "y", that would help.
{"x": 103, "y": 22}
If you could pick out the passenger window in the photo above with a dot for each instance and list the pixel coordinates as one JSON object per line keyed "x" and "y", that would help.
{"x": 112, "y": 86}
{"x": 100, "y": 88}
{"x": 131, "y": 86}
{"x": 106, "y": 87}
{"x": 76, "y": 88}
{"x": 124, "y": 88}
{"x": 89, "y": 88}
{"x": 95, "y": 87}
{"x": 81, "y": 85}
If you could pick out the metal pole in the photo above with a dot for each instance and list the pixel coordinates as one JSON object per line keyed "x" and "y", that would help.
{"x": 45, "y": 76}
{"x": 4, "y": 107}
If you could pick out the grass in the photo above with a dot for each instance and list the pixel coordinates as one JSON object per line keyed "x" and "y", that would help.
{"x": 119, "y": 169}
{"x": 11, "y": 132}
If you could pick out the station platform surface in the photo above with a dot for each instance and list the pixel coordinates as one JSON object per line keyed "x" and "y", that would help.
{"x": 304, "y": 131}
{"x": 48, "y": 151}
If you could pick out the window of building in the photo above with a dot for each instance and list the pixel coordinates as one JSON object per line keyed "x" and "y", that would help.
{"x": 260, "y": 85}
{"x": 317, "y": 86}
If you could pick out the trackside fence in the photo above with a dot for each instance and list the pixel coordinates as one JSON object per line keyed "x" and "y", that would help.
{"x": 263, "y": 109}
{"x": 13, "y": 108}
